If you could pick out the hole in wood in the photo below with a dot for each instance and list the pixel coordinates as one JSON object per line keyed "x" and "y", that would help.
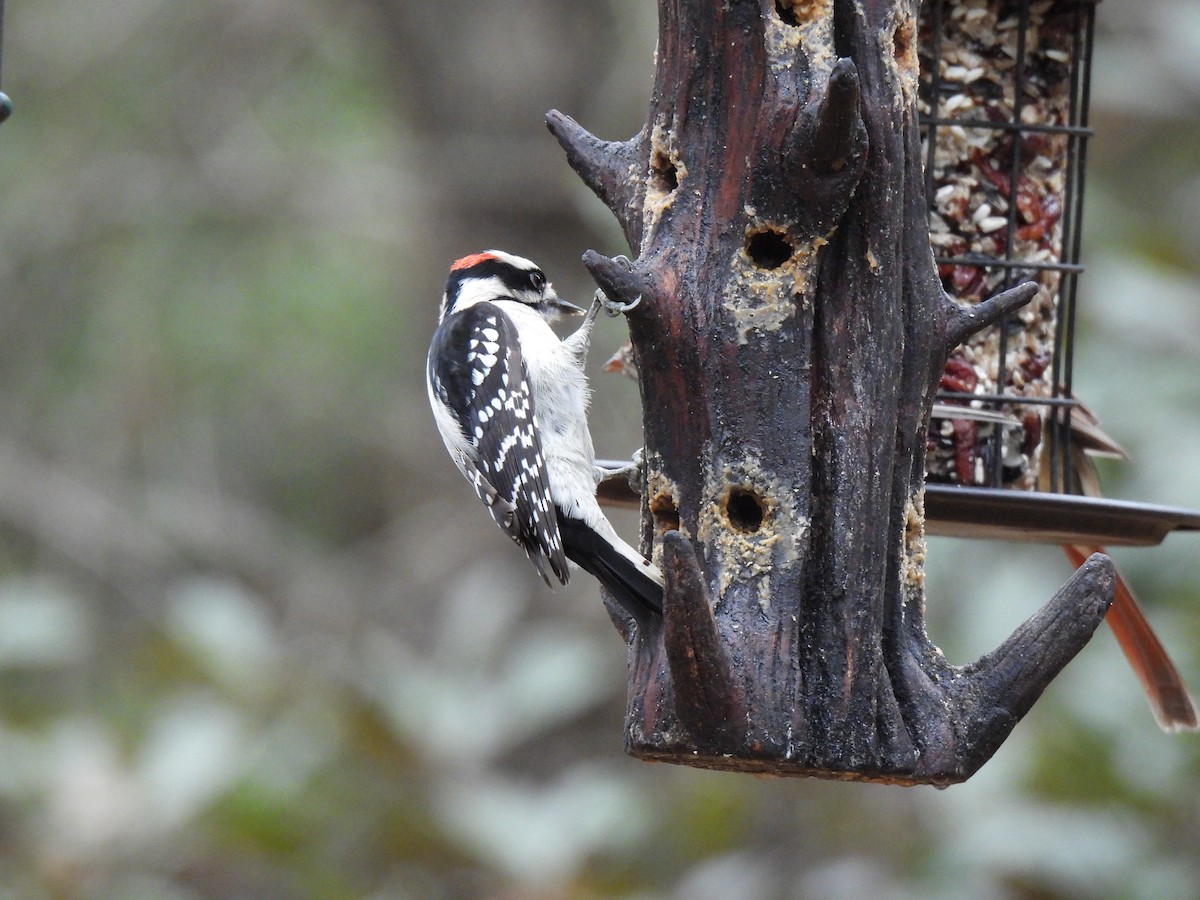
{"x": 902, "y": 41}
{"x": 768, "y": 249}
{"x": 665, "y": 512}
{"x": 786, "y": 11}
{"x": 664, "y": 170}
{"x": 745, "y": 509}
{"x": 797, "y": 12}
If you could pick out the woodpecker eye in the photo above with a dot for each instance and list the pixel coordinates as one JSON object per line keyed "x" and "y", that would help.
{"x": 537, "y": 280}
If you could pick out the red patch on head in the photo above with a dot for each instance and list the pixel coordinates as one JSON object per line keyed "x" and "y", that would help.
{"x": 473, "y": 260}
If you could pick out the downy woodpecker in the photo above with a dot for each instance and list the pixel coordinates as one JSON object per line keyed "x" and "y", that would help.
{"x": 510, "y": 400}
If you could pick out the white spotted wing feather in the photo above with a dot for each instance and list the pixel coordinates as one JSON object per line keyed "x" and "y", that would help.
{"x": 488, "y": 421}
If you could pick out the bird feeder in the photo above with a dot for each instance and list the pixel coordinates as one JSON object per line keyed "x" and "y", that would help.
{"x": 1003, "y": 104}
{"x": 794, "y": 339}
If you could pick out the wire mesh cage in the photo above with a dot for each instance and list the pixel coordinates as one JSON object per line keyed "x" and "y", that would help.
{"x": 1003, "y": 102}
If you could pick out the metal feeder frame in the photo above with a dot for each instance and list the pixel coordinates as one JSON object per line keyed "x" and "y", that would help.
{"x": 990, "y": 510}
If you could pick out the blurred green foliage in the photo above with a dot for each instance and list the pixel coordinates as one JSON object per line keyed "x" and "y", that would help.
{"x": 255, "y": 639}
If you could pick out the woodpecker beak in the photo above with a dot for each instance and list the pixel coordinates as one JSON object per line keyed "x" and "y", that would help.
{"x": 557, "y": 304}
{"x": 570, "y": 309}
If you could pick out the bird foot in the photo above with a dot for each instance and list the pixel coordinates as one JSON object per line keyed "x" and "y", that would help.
{"x": 613, "y": 307}
{"x": 631, "y": 471}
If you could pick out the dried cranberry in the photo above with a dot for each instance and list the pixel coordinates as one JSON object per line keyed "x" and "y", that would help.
{"x": 959, "y": 376}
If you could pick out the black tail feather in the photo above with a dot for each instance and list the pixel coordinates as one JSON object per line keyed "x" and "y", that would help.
{"x": 637, "y": 592}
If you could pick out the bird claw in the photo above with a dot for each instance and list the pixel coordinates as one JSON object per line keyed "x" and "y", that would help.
{"x": 631, "y": 471}
{"x": 635, "y": 472}
{"x": 613, "y": 307}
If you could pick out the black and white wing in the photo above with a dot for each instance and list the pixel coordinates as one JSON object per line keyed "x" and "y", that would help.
{"x": 476, "y": 373}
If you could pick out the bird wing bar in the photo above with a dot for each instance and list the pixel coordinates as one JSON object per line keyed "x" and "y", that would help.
{"x": 482, "y": 377}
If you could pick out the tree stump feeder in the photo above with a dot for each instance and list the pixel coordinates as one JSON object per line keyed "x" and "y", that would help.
{"x": 793, "y": 333}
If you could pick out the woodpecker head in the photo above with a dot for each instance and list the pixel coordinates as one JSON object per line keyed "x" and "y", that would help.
{"x": 496, "y": 275}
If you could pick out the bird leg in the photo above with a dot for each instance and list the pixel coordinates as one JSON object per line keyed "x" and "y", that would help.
{"x": 580, "y": 340}
{"x": 631, "y": 471}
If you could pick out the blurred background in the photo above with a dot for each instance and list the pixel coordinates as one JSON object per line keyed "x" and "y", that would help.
{"x": 256, "y": 637}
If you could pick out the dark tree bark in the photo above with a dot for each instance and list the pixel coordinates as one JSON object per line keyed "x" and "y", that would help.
{"x": 790, "y": 339}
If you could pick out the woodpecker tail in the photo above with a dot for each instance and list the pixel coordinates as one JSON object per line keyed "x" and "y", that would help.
{"x": 1165, "y": 690}
{"x": 633, "y": 581}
